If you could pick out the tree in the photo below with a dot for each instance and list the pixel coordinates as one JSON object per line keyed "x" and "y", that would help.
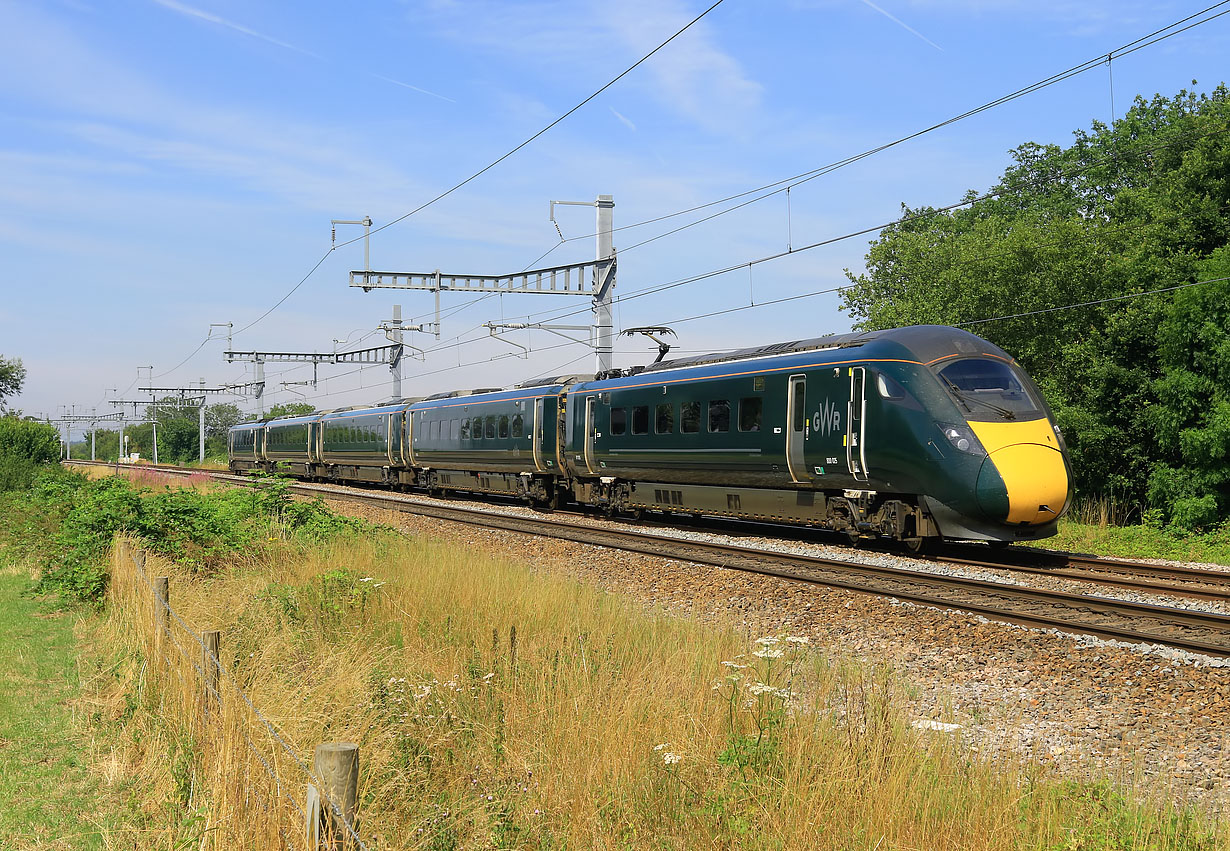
{"x": 12, "y": 377}
{"x": 1125, "y": 210}
{"x": 220, "y": 418}
{"x": 291, "y": 409}
{"x": 29, "y": 440}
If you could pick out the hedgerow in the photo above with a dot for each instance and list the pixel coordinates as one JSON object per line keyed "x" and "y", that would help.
{"x": 71, "y": 521}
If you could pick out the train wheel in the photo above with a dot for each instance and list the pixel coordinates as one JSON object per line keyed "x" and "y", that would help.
{"x": 919, "y": 546}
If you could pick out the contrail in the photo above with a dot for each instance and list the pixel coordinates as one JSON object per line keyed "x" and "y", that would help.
{"x": 175, "y": 6}
{"x": 408, "y": 86}
{"x": 903, "y": 24}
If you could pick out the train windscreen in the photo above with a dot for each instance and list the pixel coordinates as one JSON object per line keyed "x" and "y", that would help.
{"x": 990, "y": 389}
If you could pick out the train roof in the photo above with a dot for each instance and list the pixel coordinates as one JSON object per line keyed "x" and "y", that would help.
{"x": 925, "y": 342}
{"x": 362, "y": 410}
{"x": 294, "y": 419}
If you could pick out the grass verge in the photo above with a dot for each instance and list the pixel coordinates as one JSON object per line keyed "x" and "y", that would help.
{"x": 497, "y": 707}
{"x": 48, "y": 793}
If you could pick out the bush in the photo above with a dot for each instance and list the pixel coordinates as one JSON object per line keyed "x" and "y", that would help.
{"x": 33, "y": 441}
{"x": 197, "y": 529}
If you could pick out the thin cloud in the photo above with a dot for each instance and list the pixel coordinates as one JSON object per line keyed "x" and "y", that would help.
{"x": 192, "y": 12}
{"x": 626, "y": 121}
{"x": 902, "y": 24}
{"x": 412, "y": 88}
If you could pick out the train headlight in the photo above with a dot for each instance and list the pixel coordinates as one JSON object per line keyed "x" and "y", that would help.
{"x": 962, "y": 439}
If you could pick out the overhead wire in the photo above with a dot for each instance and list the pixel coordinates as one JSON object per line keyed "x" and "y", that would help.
{"x": 785, "y": 184}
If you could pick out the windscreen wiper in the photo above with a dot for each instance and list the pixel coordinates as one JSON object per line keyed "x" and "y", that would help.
{"x": 1006, "y": 413}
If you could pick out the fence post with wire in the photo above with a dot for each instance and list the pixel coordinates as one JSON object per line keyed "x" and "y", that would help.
{"x": 243, "y": 768}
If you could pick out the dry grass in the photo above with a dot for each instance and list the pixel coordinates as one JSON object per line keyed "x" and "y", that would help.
{"x": 497, "y": 707}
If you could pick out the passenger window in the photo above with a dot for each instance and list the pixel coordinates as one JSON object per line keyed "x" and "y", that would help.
{"x": 489, "y": 428}
{"x": 518, "y": 426}
{"x": 689, "y": 417}
{"x": 640, "y": 419}
{"x": 504, "y": 426}
{"x": 456, "y": 430}
{"x": 719, "y": 415}
{"x": 664, "y": 418}
{"x": 750, "y": 410}
{"x": 799, "y": 389}
{"x": 619, "y": 420}
{"x": 465, "y": 429}
{"x": 478, "y": 428}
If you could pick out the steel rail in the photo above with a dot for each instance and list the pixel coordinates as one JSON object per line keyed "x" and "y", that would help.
{"x": 1168, "y": 621}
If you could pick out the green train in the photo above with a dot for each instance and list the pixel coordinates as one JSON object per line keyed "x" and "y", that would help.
{"x": 911, "y": 434}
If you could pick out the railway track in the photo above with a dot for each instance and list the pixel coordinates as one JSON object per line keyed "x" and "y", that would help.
{"x": 1104, "y": 617}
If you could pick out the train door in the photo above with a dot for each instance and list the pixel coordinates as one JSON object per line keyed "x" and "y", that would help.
{"x": 796, "y": 429}
{"x": 591, "y": 404}
{"x": 856, "y": 450}
{"x": 536, "y": 433}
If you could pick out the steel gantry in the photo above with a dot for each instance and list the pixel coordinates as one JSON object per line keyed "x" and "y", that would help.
{"x": 67, "y": 420}
{"x": 593, "y": 278}
{"x": 391, "y": 355}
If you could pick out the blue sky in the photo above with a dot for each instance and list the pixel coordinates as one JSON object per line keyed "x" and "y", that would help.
{"x": 168, "y": 164}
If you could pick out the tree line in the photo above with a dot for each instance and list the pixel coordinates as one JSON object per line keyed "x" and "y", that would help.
{"x": 178, "y": 432}
{"x": 1102, "y": 268}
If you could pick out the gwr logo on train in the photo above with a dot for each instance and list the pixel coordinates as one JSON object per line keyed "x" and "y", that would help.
{"x": 827, "y": 420}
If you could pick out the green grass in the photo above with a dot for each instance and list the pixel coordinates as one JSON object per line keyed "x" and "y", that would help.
{"x": 47, "y": 791}
{"x": 1141, "y": 542}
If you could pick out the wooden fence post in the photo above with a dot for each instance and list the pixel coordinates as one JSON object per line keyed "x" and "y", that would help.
{"x": 162, "y": 614}
{"x": 336, "y": 766}
{"x": 213, "y": 673}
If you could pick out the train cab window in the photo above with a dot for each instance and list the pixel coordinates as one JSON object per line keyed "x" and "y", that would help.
{"x": 640, "y": 419}
{"x": 888, "y": 387}
{"x": 504, "y": 426}
{"x": 664, "y": 418}
{"x": 619, "y": 420}
{"x": 518, "y": 426}
{"x": 489, "y": 428}
{"x": 989, "y": 388}
{"x": 719, "y": 415}
{"x": 465, "y": 429}
{"x": 689, "y": 417}
{"x": 751, "y": 409}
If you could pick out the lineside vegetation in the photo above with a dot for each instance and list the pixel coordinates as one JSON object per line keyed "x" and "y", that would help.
{"x": 1114, "y": 225}
{"x": 600, "y": 724}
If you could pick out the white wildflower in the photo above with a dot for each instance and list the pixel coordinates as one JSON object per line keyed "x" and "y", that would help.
{"x": 760, "y": 688}
{"x": 670, "y": 758}
{"x": 768, "y": 640}
{"x": 734, "y": 665}
{"x": 661, "y": 746}
{"x": 797, "y": 639}
{"x": 769, "y": 653}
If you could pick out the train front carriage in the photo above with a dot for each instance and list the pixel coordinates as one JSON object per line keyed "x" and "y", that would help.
{"x": 911, "y": 434}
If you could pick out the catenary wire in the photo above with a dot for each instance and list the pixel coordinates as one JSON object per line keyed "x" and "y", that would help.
{"x": 787, "y": 183}
{"x": 1124, "y": 50}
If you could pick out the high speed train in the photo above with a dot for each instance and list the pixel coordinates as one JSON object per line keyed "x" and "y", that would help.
{"x": 912, "y": 434}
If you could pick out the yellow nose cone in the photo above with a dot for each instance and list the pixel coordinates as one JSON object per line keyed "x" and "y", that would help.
{"x": 1027, "y": 458}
